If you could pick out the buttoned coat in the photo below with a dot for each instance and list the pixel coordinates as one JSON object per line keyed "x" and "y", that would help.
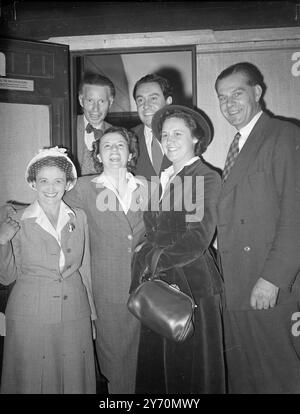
{"x": 259, "y": 236}
{"x": 144, "y": 165}
{"x": 183, "y": 226}
{"x": 258, "y": 212}
{"x": 49, "y": 311}
{"x": 113, "y": 237}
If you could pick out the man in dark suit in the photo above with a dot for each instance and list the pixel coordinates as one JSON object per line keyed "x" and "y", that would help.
{"x": 96, "y": 94}
{"x": 151, "y": 93}
{"x": 259, "y": 239}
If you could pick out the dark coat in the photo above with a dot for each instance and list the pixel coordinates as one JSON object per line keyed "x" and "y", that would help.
{"x": 259, "y": 236}
{"x": 144, "y": 165}
{"x": 196, "y": 365}
{"x": 259, "y": 212}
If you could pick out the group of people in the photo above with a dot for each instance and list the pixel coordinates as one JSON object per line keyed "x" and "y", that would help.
{"x": 77, "y": 252}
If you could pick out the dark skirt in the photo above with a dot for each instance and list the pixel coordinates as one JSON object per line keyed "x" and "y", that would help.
{"x": 195, "y": 366}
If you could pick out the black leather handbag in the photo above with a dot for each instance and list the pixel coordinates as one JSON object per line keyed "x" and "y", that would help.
{"x": 163, "y": 307}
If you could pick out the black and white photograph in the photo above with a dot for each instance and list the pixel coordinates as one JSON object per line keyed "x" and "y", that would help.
{"x": 150, "y": 201}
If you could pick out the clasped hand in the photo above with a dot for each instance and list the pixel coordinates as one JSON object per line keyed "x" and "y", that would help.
{"x": 264, "y": 294}
{"x": 8, "y": 229}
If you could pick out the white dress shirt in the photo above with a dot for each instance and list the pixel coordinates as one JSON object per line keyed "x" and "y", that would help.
{"x": 126, "y": 199}
{"x": 168, "y": 174}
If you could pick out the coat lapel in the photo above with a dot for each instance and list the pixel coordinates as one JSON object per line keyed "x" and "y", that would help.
{"x": 247, "y": 155}
{"x": 118, "y": 211}
{"x": 80, "y": 137}
{"x": 68, "y": 229}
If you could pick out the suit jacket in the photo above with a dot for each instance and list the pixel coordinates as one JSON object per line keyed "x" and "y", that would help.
{"x": 42, "y": 292}
{"x": 80, "y": 138}
{"x": 144, "y": 165}
{"x": 113, "y": 237}
{"x": 259, "y": 212}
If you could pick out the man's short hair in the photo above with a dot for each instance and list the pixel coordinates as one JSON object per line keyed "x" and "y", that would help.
{"x": 166, "y": 88}
{"x": 252, "y": 73}
{"x": 96, "y": 79}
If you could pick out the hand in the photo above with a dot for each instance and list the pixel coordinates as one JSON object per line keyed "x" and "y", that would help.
{"x": 6, "y": 210}
{"x": 264, "y": 294}
{"x": 8, "y": 229}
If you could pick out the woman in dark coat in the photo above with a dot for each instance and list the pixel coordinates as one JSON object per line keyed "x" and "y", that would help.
{"x": 183, "y": 225}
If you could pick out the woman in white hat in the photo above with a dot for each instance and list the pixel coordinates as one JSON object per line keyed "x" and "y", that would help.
{"x": 44, "y": 249}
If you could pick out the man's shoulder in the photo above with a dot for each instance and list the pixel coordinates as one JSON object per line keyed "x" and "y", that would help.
{"x": 138, "y": 129}
{"x": 276, "y": 130}
{"x": 85, "y": 180}
{"x": 277, "y": 122}
{"x": 106, "y": 125}
{"x": 80, "y": 119}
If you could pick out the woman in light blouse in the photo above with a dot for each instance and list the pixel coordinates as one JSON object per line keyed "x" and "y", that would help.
{"x": 44, "y": 249}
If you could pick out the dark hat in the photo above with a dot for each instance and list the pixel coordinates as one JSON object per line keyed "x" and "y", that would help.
{"x": 199, "y": 118}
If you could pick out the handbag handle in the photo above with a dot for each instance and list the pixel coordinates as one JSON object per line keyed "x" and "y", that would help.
{"x": 154, "y": 261}
{"x": 156, "y": 255}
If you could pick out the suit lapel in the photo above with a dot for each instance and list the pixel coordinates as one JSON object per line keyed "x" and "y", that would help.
{"x": 43, "y": 234}
{"x": 80, "y": 137}
{"x": 247, "y": 155}
{"x": 117, "y": 211}
{"x": 68, "y": 229}
{"x": 144, "y": 158}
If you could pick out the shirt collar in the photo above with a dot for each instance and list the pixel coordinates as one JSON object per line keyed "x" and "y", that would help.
{"x": 245, "y": 131}
{"x": 170, "y": 170}
{"x": 100, "y": 126}
{"x": 168, "y": 174}
{"x": 35, "y": 210}
{"x": 148, "y": 134}
{"x": 132, "y": 184}
{"x": 103, "y": 179}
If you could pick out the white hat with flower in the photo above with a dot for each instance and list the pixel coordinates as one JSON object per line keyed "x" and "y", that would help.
{"x": 54, "y": 155}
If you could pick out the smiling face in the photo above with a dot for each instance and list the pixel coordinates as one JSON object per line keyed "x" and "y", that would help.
{"x": 177, "y": 142}
{"x": 50, "y": 184}
{"x": 149, "y": 99}
{"x": 113, "y": 151}
{"x": 239, "y": 101}
{"x": 95, "y": 101}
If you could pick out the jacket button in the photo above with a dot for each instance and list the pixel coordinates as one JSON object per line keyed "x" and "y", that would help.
{"x": 129, "y": 236}
{"x": 65, "y": 297}
{"x": 129, "y": 249}
{"x": 247, "y": 248}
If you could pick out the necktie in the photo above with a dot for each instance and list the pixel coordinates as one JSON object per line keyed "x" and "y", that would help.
{"x": 231, "y": 156}
{"x": 87, "y": 165}
{"x": 157, "y": 154}
{"x": 97, "y": 132}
